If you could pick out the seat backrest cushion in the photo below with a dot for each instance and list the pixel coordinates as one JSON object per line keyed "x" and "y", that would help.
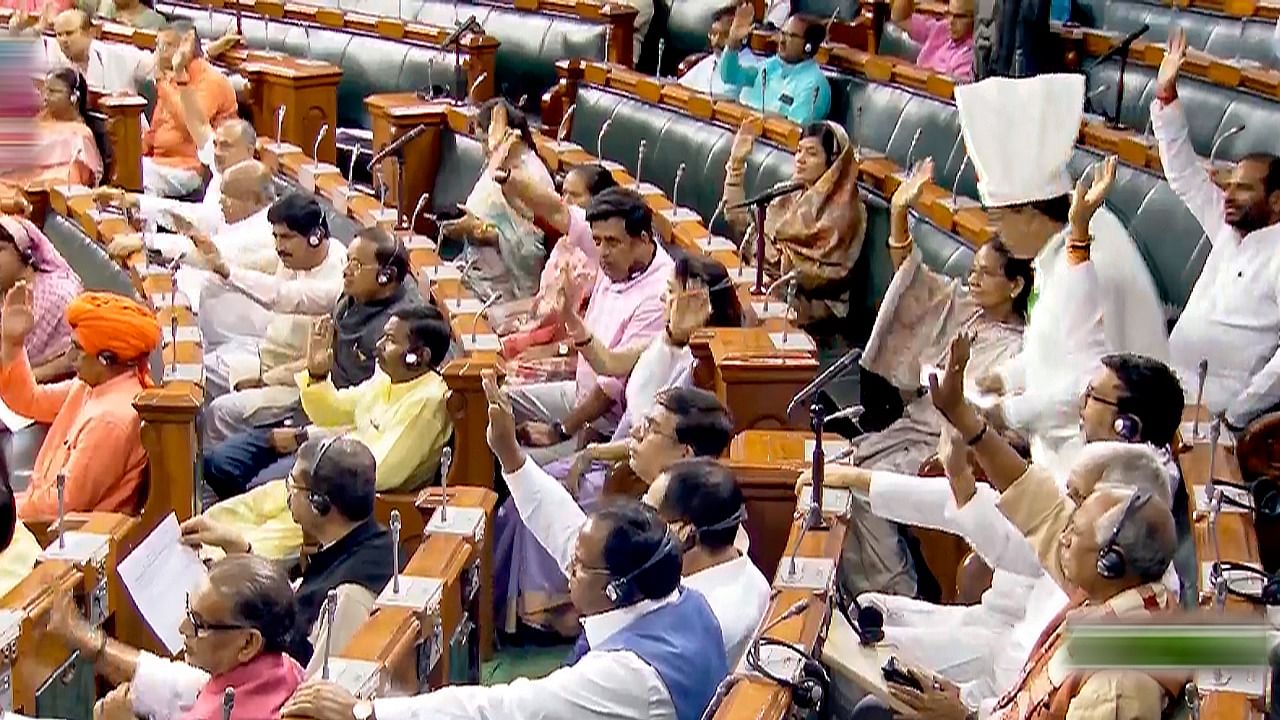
{"x": 1220, "y": 36}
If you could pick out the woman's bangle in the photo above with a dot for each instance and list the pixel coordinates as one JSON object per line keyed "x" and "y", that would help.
{"x": 900, "y": 246}
{"x": 977, "y": 438}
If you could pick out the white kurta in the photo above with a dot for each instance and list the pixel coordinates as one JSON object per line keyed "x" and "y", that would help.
{"x": 736, "y": 591}
{"x": 1232, "y": 318}
{"x": 206, "y": 214}
{"x": 616, "y": 685}
{"x": 1084, "y": 312}
{"x": 112, "y": 67}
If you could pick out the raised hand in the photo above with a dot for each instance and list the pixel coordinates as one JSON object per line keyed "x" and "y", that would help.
{"x": 688, "y": 311}
{"x": 1086, "y": 199}
{"x": 320, "y": 348}
{"x": 745, "y": 139}
{"x": 503, "y": 155}
{"x": 498, "y": 124}
{"x": 909, "y": 191}
{"x": 947, "y": 392}
{"x": 18, "y": 317}
{"x": 574, "y": 327}
{"x": 501, "y": 433}
{"x": 956, "y": 459}
{"x": 743, "y": 20}
{"x": 1174, "y": 55}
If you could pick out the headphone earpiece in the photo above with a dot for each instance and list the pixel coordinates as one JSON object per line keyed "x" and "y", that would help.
{"x": 108, "y": 358}
{"x": 319, "y": 501}
{"x": 411, "y": 359}
{"x": 314, "y": 239}
{"x": 620, "y": 591}
{"x": 1128, "y": 427}
{"x": 1112, "y": 563}
{"x": 808, "y": 48}
{"x": 384, "y": 276}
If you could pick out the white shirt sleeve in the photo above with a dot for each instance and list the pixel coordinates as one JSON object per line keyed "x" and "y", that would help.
{"x": 777, "y": 12}
{"x": 1182, "y": 169}
{"x": 312, "y": 295}
{"x": 549, "y": 511}
{"x": 1261, "y": 394}
{"x": 911, "y": 500}
{"x": 601, "y": 684}
{"x": 164, "y": 689}
{"x": 992, "y": 536}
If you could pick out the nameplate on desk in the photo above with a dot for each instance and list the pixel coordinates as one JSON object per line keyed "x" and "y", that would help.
{"x": 279, "y": 148}
{"x": 463, "y": 306}
{"x": 830, "y": 448}
{"x": 189, "y": 372}
{"x": 308, "y": 62}
{"x": 716, "y": 243}
{"x": 564, "y": 146}
{"x": 484, "y": 342}
{"x": 775, "y": 660}
{"x": 186, "y": 333}
{"x": 645, "y": 188}
{"x": 835, "y": 501}
{"x": 796, "y": 340}
{"x": 1189, "y": 434}
{"x": 805, "y": 573}
{"x": 358, "y": 677}
{"x": 772, "y": 309}
{"x": 384, "y": 217}
{"x": 443, "y": 271}
{"x": 612, "y": 166}
{"x": 340, "y": 196}
{"x": 465, "y": 521}
{"x": 742, "y": 275}
{"x": 164, "y": 300}
{"x": 417, "y": 242}
{"x": 680, "y": 214}
{"x": 71, "y": 192}
{"x": 1241, "y": 681}
{"x": 416, "y": 593}
{"x": 10, "y": 626}
{"x": 310, "y": 172}
{"x": 960, "y": 202}
{"x": 1237, "y": 579}
{"x": 1239, "y": 495}
{"x": 78, "y": 547}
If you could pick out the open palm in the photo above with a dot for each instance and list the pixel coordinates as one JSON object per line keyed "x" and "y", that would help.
{"x": 1174, "y": 55}
{"x": 17, "y": 318}
{"x": 909, "y": 191}
{"x": 1086, "y": 199}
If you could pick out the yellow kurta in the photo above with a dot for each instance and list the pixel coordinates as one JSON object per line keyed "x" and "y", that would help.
{"x": 18, "y": 559}
{"x": 405, "y": 426}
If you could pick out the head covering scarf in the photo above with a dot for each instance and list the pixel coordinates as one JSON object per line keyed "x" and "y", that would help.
{"x": 106, "y": 322}
{"x": 29, "y": 239}
{"x": 819, "y": 232}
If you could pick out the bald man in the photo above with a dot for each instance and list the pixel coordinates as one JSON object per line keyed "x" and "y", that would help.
{"x": 107, "y": 67}
{"x": 231, "y": 144}
{"x": 946, "y": 43}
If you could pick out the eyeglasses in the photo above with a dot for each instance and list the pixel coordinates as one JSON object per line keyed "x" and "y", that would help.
{"x": 201, "y": 626}
{"x": 292, "y": 484}
{"x": 1091, "y": 394}
{"x": 648, "y": 426}
{"x": 576, "y": 567}
{"x": 358, "y": 267}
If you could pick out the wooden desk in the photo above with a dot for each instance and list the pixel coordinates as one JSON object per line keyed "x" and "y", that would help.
{"x": 39, "y": 659}
{"x": 751, "y": 376}
{"x": 394, "y": 115}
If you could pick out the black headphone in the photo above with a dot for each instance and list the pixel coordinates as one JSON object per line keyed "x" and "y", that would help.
{"x": 1269, "y": 594}
{"x": 867, "y": 621}
{"x": 1112, "y": 564}
{"x": 1264, "y": 494}
{"x": 1128, "y": 427}
{"x": 384, "y": 275}
{"x": 620, "y": 591}
{"x": 735, "y": 519}
{"x": 108, "y": 358}
{"x": 319, "y": 501}
{"x": 810, "y": 689}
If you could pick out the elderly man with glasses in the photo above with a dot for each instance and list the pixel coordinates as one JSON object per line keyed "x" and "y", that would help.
{"x": 238, "y": 624}
{"x": 946, "y": 43}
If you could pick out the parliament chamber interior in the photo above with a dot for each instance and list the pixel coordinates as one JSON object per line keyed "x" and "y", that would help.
{"x": 690, "y": 359}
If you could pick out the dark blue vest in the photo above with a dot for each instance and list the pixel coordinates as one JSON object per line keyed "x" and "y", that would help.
{"x": 682, "y": 642}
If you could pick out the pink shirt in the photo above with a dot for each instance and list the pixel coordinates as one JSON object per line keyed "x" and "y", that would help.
{"x": 938, "y": 51}
{"x": 622, "y": 314}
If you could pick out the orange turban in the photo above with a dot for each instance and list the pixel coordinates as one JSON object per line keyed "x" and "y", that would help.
{"x": 103, "y": 321}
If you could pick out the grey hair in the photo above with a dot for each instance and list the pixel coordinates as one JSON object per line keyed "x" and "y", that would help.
{"x": 244, "y": 130}
{"x": 1125, "y": 466}
{"x": 1147, "y": 540}
{"x": 260, "y": 597}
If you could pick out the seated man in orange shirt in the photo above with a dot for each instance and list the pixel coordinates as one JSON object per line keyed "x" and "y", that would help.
{"x": 170, "y": 161}
{"x": 94, "y": 438}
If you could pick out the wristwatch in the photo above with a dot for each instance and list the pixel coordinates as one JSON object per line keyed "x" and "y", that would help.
{"x": 363, "y": 710}
{"x": 562, "y": 349}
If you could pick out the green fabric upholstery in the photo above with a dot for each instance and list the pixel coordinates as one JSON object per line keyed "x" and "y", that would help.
{"x": 1216, "y": 34}
{"x": 1211, "y": 110}
{"x": 897, "y": 43}
{"x": 683, "y": 24}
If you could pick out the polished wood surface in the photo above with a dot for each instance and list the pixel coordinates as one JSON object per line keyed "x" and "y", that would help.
{"x": 751, "y": 376}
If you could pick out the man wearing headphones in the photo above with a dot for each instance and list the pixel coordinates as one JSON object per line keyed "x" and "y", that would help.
{"x": 399, "y": 414}
{"x": 306, "y": 283}
{"x": 791, "y": 82}
{"x": 330, "y": 496}
{"x": 651, "y": 649}
{"x": 1109, "y": 553}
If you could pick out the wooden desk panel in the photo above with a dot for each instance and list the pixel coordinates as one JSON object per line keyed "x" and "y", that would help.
{"x": 751, "y": 377}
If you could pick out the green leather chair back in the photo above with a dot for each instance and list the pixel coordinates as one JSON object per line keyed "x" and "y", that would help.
{"x": 843, "y": 9}
{"x": 1211, "y": 110}
{"x": 896, "y": 43}
{"x": 1216, "y": 34}
{"x": 683, "y": 24}
{"x": 370, "y": 64}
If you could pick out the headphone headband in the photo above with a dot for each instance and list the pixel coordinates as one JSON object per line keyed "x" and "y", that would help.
{"x": 619, "y": 588}
{"x": 1111, "y": 558}
{"x": 734, "y": 519}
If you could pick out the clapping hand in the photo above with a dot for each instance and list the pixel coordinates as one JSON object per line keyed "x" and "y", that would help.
{"x": 1086, "y": 199}
{"x": 688, "y": 311}
{"x": 909, "y": 191}
{"x": 1174, "y": 55}
{"x": 18, "y": 318}
{"x": 947, "y": 392}
{"x": 745, "y": 139}
{"x": 320, "y": 348}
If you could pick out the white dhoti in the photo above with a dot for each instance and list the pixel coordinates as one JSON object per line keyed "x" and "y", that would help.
{"x": 166, "y": 181}
{"x": 244, "y": 409}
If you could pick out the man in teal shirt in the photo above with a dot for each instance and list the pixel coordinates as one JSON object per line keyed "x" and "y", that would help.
{"x": 791, "y": 82}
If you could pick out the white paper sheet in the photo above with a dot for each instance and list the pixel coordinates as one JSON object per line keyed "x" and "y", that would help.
{"x": 11, "y": 419}
{"x": 794, "y": 340}
{"x": 715, "y": 243}
{"x": 1228, "y": 493}
{"x": 162, "y": 561}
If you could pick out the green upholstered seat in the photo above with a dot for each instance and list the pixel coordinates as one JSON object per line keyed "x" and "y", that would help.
{"x": 1216, "y": 34}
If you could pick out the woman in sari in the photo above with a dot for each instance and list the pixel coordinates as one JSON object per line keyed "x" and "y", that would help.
{"x": 66, "y": 149}
{"x": 26, "y": 255}
{"x": 505, "y": 250}
{"x": 817, "y": 232}
{"x": 529, "y": 583}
